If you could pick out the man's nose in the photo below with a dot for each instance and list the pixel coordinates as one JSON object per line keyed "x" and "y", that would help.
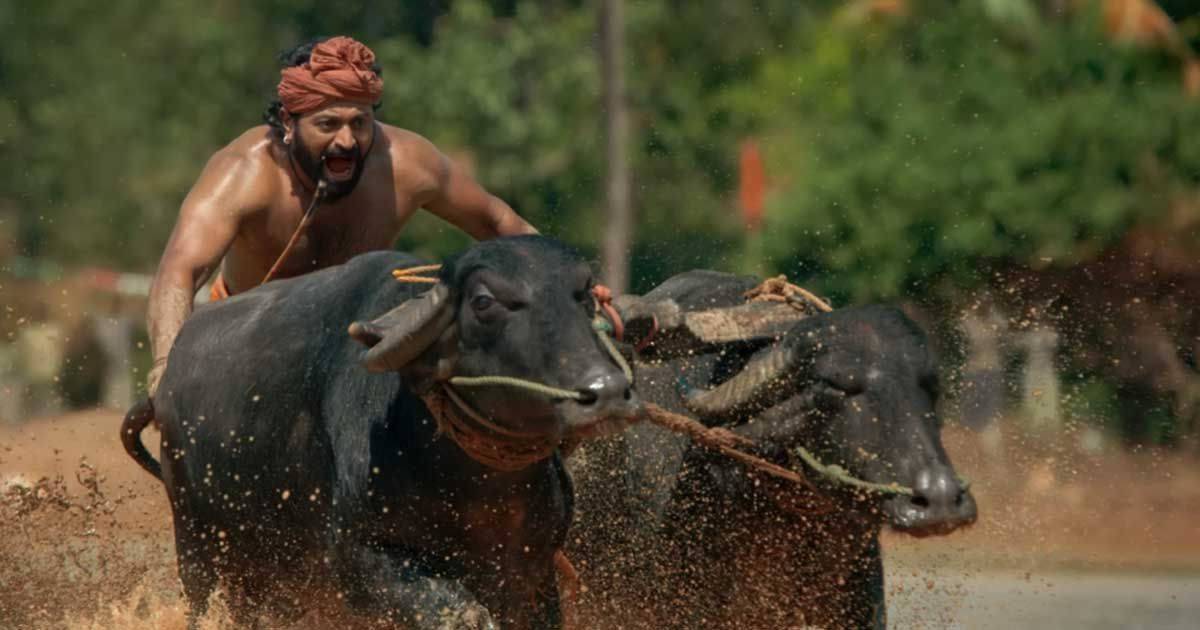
{"x": 344, "y": 140}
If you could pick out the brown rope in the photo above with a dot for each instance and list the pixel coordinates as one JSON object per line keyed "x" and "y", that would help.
{"x": 778, "y": 289}
{"x": 482, "y": 440}
{"x": 604, "y": 296}
{"x": 318, "y": 195}
{"x": 727, "y": 443}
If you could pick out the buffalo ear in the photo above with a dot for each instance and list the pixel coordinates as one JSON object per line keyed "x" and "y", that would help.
{"x": 402, "y": 334}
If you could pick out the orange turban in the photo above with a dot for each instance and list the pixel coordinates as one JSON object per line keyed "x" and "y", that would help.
{"x": 339, "y": 69}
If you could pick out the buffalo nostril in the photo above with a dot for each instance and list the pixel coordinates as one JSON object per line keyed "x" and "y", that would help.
{"x": 937, "y": 487}
{"x": 628, "y": 393}
{"x": 587, "y": 397}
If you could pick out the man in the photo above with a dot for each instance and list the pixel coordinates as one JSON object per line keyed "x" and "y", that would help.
{"x": 322, "y": 140}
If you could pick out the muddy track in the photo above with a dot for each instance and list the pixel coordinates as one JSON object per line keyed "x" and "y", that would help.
{"x": 1063, "y": 540}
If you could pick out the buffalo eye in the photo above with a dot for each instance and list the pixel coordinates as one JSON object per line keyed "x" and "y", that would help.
{"x": 828, "y": 393}
{"x": 584, "y": 295}
{"x": 842, "y": 385}
{"x": 482, "y": 302}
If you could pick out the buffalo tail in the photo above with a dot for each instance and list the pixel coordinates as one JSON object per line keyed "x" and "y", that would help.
{"x": 136, "y": 420}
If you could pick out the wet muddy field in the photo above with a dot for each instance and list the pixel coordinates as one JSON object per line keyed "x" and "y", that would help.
{"x": 1064, "y": 540}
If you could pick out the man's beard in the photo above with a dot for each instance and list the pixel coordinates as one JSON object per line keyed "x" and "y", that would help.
{"x": 315, "y": 170}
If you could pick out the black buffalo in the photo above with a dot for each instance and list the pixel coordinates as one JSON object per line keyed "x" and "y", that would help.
{"x": 687, "y": 538}
{"x": 296, "y": 476}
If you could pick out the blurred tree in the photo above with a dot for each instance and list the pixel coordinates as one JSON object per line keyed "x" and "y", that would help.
{"x": 935, "y": 148}
{"x": 924, "y": 156}
{"x": 111, "y": 109}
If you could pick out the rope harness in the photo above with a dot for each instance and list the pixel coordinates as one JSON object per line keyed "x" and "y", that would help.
{"x": 778, "y": 289}
{"x": 485, "y": 440}
{"x": 507, "y": 449}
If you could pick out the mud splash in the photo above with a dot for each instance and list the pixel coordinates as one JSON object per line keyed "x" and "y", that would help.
{"x": 68, "y": 558}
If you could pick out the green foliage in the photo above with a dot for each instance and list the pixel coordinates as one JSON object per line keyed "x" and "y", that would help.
{"x": 111, "y": 109}
{"x": 907, "y": 156}
{"x": 517, "y": 100}
{"x": 950, "y": 143}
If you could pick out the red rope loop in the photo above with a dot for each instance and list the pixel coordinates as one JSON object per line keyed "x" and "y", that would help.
{"x": 604, "y": 297}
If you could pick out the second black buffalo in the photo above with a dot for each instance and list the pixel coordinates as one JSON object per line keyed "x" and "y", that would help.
{"x": 686, "y": 537}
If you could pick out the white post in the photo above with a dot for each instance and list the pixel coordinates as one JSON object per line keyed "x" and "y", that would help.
{"x": 1039, "y": 387}
{"x": 115, "y": 336}
{"x": 12, "y": 386}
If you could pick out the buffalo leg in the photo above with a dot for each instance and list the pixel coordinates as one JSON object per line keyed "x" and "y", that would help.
{"x": 857, "y": 601}
{"x": 866, "y": 583}
{"x": 196, "y": 572}
{"x": 548, "y": 612}
{"x": 378, "y": 584}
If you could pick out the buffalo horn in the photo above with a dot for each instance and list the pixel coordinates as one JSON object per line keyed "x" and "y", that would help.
{"x": 403, "y": 333}
{"x": 766, "y": 380}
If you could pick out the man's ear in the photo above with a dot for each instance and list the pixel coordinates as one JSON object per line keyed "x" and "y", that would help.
{"x": 289, "y": 125}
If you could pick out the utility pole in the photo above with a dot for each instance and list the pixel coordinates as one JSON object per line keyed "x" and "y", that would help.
{"x": 618, "y": 213}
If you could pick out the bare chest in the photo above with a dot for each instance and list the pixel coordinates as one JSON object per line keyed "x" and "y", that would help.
{"x": 336, "y": 233}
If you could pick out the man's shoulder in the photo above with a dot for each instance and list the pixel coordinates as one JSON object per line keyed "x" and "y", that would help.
{"x": 244, "y": 167}
{"x": 411, "y": 145}
{"x": 413, "y": 156}
{"x": 254, "y": 145}
{"x": 404, "y": 138}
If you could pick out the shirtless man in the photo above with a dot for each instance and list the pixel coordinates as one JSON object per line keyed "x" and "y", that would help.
{"x": 253, "y": 193}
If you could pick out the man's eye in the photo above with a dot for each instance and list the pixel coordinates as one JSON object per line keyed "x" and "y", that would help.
{"x": 482, "y": 302}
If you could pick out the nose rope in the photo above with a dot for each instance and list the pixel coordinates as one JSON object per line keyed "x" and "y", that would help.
{"x": 603, "y": 296}
{"x": 841, "y": 475}
{"x": 727, "y": 443}
{"x": 480, "y": 437}
{"x": 499, "y": 447}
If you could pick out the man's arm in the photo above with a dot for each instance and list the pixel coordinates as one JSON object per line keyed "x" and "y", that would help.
{"x": 464, "y": 203}
{"x": 208, "y": 222}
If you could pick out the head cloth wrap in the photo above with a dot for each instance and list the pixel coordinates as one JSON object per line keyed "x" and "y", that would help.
{"x": 339, "y": 69}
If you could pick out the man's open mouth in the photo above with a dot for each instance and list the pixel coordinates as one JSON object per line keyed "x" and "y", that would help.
{"x": 339, "y": 169}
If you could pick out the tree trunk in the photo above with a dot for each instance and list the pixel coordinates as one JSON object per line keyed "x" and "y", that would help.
{"x": 618, "y": 219}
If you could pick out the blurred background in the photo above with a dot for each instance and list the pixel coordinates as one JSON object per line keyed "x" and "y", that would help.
{"x": 1023, "y": 176}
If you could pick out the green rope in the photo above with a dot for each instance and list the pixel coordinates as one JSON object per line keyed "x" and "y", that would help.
{"x": 540, "y": 388}
{"x": 841, "y": 475}
{"x": 517, "y": 383}
{"x": 616, "y": 355}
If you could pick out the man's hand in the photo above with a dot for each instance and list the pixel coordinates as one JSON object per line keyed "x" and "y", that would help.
{"x": 156, "y": 372}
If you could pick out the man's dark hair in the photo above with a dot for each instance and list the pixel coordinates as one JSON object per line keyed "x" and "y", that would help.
{"x": 297, "y": 56}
